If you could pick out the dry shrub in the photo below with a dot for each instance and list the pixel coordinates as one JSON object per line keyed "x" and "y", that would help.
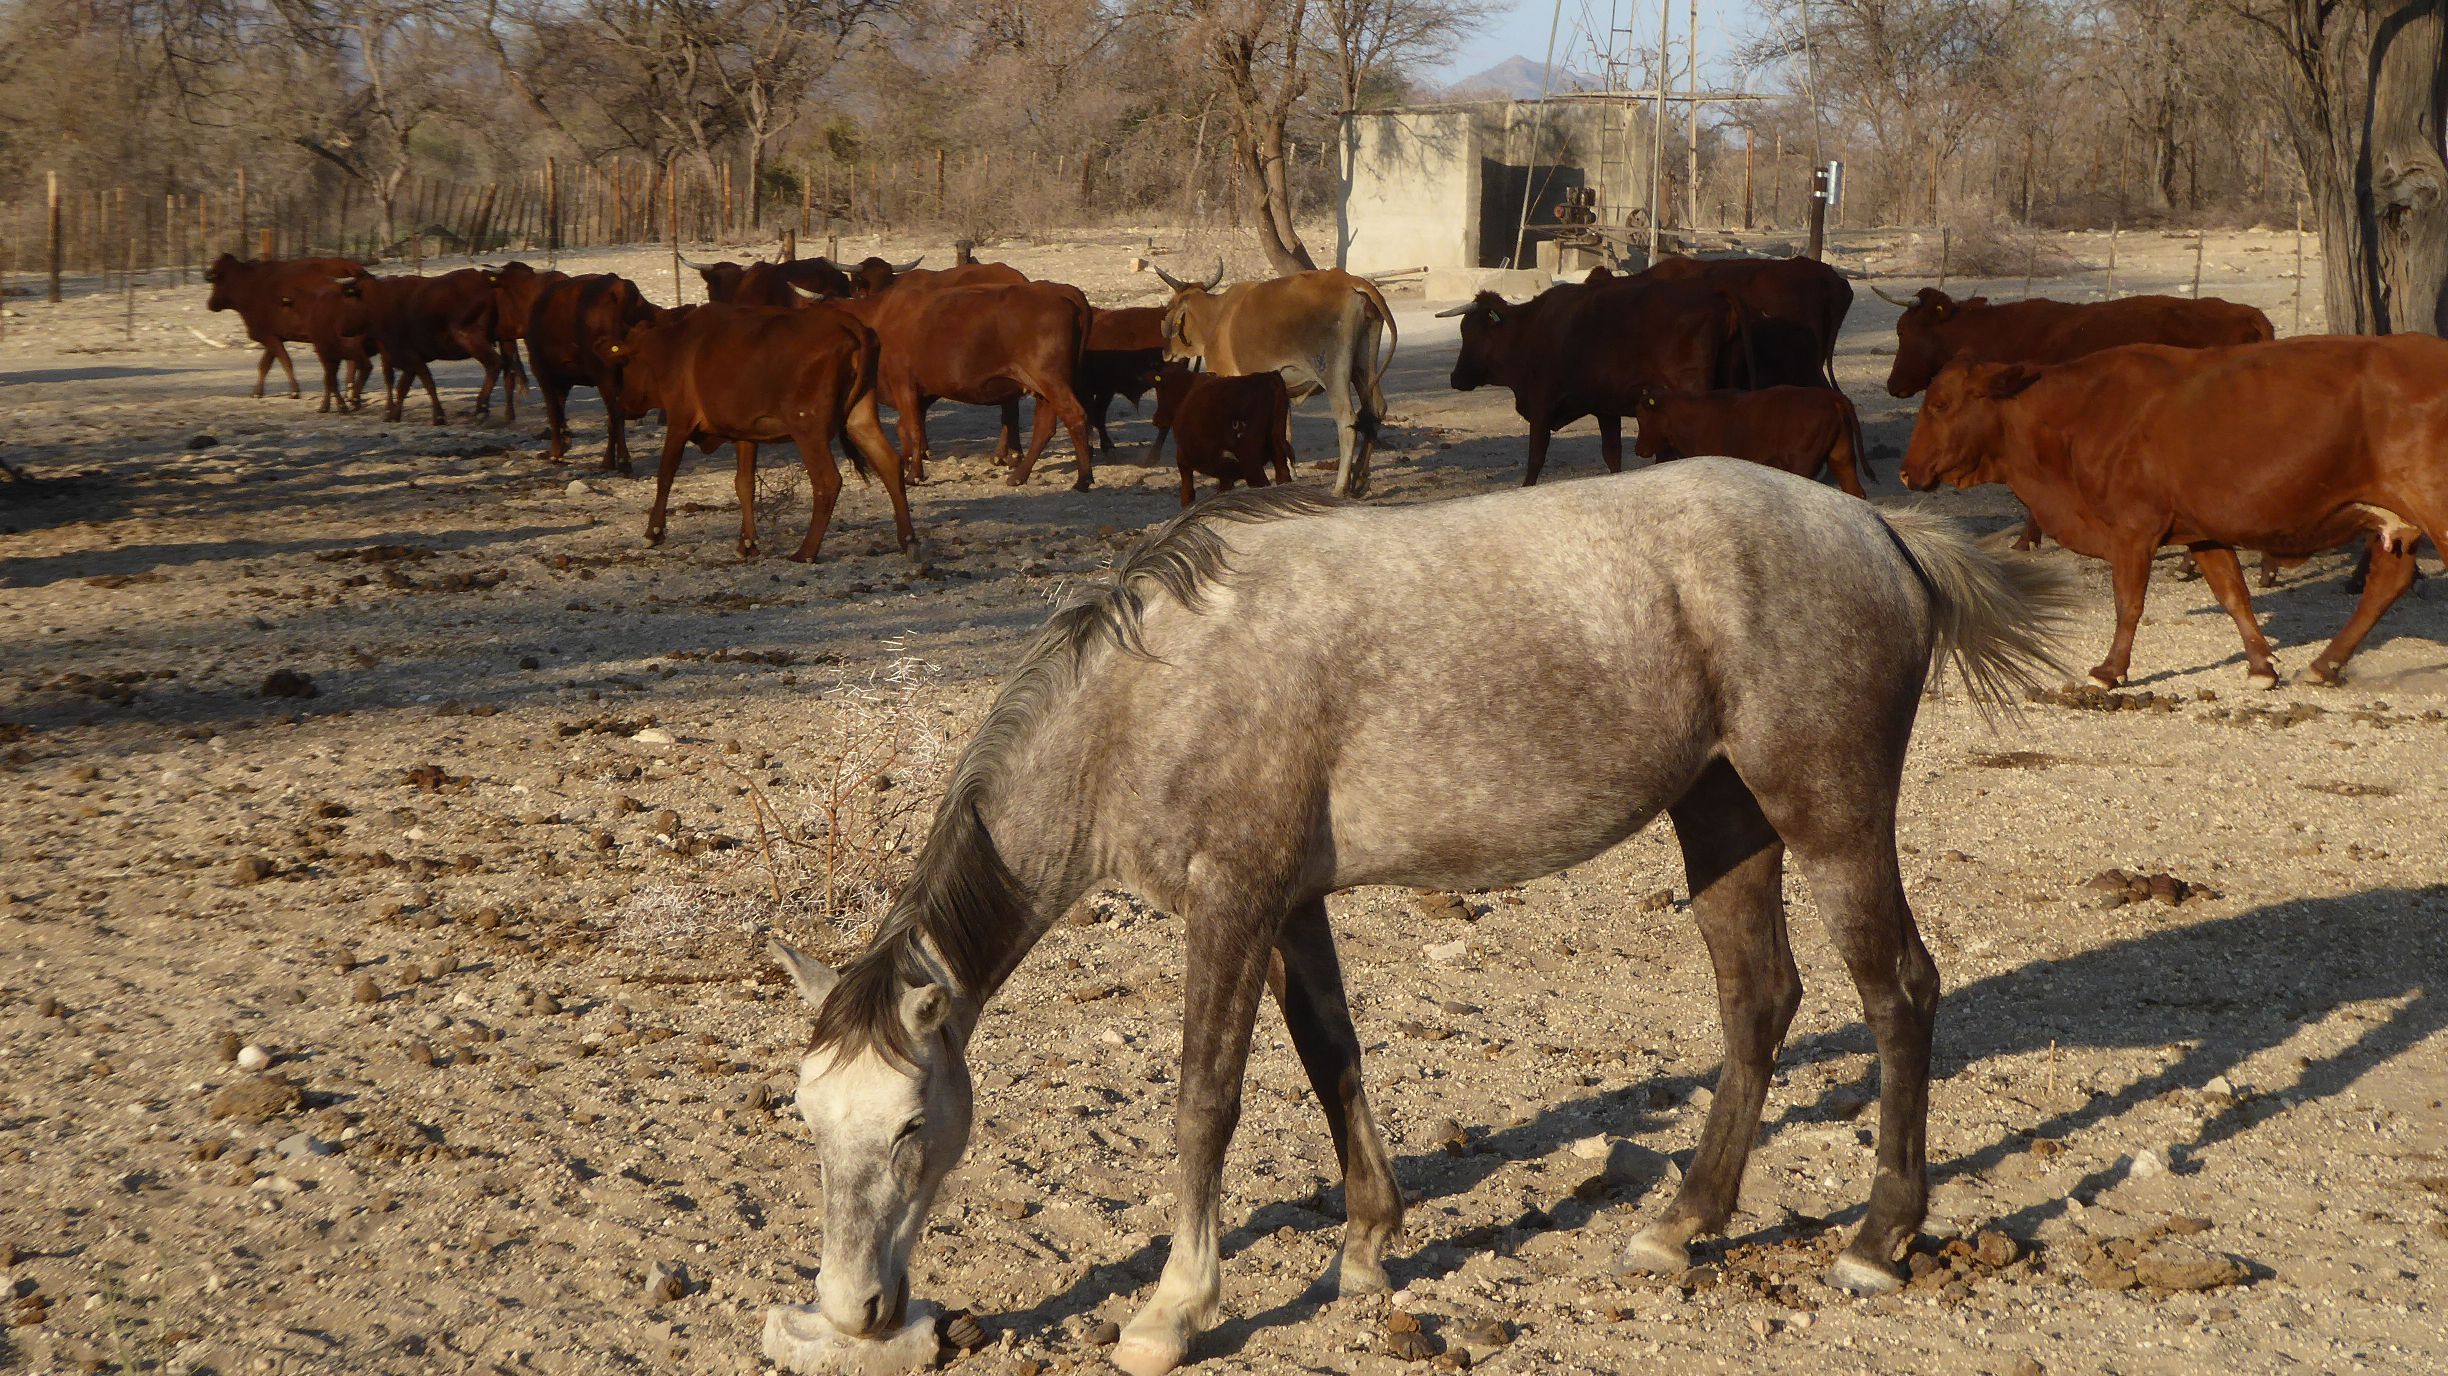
{"x": 1987, "y": 248}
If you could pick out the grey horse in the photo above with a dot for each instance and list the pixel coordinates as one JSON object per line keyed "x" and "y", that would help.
{"x": 1279, "y": 696}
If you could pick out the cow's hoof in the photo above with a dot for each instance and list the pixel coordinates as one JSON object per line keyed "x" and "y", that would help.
{"x": 1859, "y": 1276}
{"x": 2263, "y": 678}
{"x": 1650, "y": 1254}
{"x": 1016, "y": 480}
{"x": 653, "y": 538}
{"x": 2101, "y": 678}
{"x": 2324, "y": 674}
{"x": 1082, "y": 485}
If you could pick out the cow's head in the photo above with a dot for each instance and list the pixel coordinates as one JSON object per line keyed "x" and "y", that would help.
{"x": 1922, "y": 347}
{"x": 352, "y": 287}
{"x": 1961, "y": 434}
{"x": 1188, "y": 315}
{"x": 1650, "y": 439}
{"x": 874, "y": 274}
{"x": 224, "y": 274}
{"x": 633, "y": 357}
{"x": 1487, "y": 326}
{"x": 721, "y": 279}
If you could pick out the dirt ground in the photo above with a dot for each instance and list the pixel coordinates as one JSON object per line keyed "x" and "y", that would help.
{"x": 491, "y": 901}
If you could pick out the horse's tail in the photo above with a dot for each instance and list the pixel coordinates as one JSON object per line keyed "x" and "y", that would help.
{"x": 1997, "y": 618}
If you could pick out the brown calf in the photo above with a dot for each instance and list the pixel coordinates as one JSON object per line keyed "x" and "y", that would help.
{"x": 571, "y": 319}
{"x": 1803, "y": 430}
{"x": 753, "y": 375}
{"x": 1230, "y": 428}
{"x": 420, "y": 321}
{"x": 266, "y": 296}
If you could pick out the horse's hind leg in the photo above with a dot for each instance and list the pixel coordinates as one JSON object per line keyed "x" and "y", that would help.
{"x": 1735, "y": 862}
{"x": 1230, "y": 945}
{"x": 1309, "y": 984}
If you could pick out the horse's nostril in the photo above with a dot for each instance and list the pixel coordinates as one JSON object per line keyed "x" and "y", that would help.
{"x": 874, "y": 1312}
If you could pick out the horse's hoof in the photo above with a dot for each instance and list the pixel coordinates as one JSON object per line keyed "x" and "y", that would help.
{"x": 1650, "y": 1254}
{"x": 1857, "y": 1276}
{"x": 1347, "y": 1276}
{"x": 1143, "y": 1354}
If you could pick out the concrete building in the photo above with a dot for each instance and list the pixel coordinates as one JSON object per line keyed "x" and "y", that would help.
{"x": 1444, "y": 186}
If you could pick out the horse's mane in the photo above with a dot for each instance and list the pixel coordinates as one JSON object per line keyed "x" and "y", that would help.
{"x": 962, "y": 900}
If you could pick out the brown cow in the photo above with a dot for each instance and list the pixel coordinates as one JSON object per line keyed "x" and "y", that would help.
{"x": 266, "y": 296}
{"x": 340, "y": 329}
{"x": 515, "y": 287}
{"x": 570, "y": 320}
{"x": 1173, "y": 382}
{"x": 1936, "y": 329}
{"x": 1124, "y": 355}
{"x": 755, "y": 375}
{"x": 1793, "y": 311}
{"x": 1230, "y": 428}
{"x": 419, "y": 321}
{"x": 769, "y": 284}
{"x": 986, "y": 346}
{"x": 1802, "y": 430}
{"x": 2291, "y": 448}
{"x": 1590, "y": 349}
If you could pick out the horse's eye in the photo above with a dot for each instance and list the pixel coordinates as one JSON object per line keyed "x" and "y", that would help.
{"x": 908, "y": 1130}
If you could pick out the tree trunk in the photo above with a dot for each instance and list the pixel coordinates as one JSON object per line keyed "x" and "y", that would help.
{"x": 2322, "y": 47}
{"x": 2404, "y": 170}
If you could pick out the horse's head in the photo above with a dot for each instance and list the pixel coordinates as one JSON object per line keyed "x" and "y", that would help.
{"x": 886, "y": 1092}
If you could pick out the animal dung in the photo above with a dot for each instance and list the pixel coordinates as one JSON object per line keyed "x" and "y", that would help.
{"x": 799, "y": 1339}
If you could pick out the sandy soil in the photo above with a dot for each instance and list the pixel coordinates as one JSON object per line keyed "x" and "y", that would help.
{"x": 502, "y": 950}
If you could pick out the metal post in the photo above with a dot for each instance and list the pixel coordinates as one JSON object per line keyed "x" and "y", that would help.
{"x": 1818, "y": 211}
{"x": 2197, "y": 264}
{"x": 1691, "y": 112}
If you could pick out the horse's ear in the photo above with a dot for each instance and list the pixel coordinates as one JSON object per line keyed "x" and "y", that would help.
{"x": 814, "y": 978}
{"x": 924, "y": 1009}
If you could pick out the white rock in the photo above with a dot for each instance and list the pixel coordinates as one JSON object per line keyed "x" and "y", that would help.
{"x": 2144, "y": 1165}
{"x": 1592, "y": 1148}
{"x": 2218, "y": 1084}
{"x": 1446, "y": 950}
{"x": 577, "y": 489}
{"x": 252, "y": 1058}
{"x": 653, "y": 735}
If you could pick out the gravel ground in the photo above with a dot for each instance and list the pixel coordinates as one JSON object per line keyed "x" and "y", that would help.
{"x": 481, "y": 883}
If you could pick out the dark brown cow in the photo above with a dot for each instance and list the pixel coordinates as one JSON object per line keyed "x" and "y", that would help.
{"x": 1793, "y": 311}
{"x": 987, "y": 346}
{"x": 515, "y": 288}
{"x": 340, "y": 329}
{"x": 266, "y": 297}
{"x": 1125, "y": 352}
{"x": 1591, "y": 349}
{"x": 1936, "y": 329}
{"x": 769, "y": 284}
{"x": 420, "y": 321}
{"x": 751, "y": 375}
{"x": 1802, "y": 430}
{"x": 1231, "y": 429}
{"x": 2292, "y": 448}
{"x": 1173, "y": 382}
{"x": 569, "y": 323}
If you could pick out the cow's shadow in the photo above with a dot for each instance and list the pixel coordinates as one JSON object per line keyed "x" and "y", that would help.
{"x": 2223, "y": 990}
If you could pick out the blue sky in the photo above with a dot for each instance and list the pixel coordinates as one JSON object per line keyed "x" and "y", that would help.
{"x": 1522, "y": 29}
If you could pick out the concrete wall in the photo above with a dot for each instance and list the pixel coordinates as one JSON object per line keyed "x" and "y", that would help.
{"x": 1413, "y": 190}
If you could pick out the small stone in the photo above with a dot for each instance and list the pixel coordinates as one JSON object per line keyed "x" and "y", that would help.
{"x": 1442, "y": 951}
{"x": 545, "y": 1005}
{"x": 1105, "y": 1334}
{"x": 2219, "y": 1084}
{"x": 2029, "y": 1366}
{"x": 1657, "y": 901}
{"x": 252, "y": 869}
{"x": 1410, "y": 1347}
{"x": 1401, "y": 1321}
{"x": 297, "y": 1146}
{"x": 365, "y": 991}
{"x": 666, "y": 1281}
{"x": 1444, "y": 1132}
{"x": 667, "y": 823}
{"x": 1592, "y": 1148}
{"x": 255, "y": 1100}
{"x": 46, "y": 1007}
{"x": 2184, "y": 1266}
{"x": 576, "y": 489}
{"x": 530, "y": 662}
{"x": 226, "y": 1049}
{"x": 653, "y": 735}
{"x": 251, "y": 1058}
{"x": 2183, "y": 1226}
{"x": 2104, "y": 1273}
{"x": 202, "y": 441}
{"x": 1761, "y": 1328}
{"x": 623, "y": 804}
{"x": 601, "y": 840}
{"x": 2144, "y": 1165}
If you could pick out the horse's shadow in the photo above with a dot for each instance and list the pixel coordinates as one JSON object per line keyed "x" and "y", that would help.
{"x": 2225, "y": 990}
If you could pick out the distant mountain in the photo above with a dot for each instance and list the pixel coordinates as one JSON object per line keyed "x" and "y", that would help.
{"x": 1519, "y": 78}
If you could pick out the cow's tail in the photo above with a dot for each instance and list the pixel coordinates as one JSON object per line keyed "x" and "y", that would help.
{"x": 1861, "y": 449}
{"x": 1368, "y": 418}
{"x": 859, "y": 417}
{"x": 1998, "y": 618}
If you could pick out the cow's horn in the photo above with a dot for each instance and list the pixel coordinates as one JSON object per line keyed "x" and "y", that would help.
{"x": 1168, "y": 278}
{"x": 908, "y": 266}
{"x": 685, "y": 262}
{"x": 1451, "y": 311}
{"x": 810, "y": 295}
{"x": 1890, "y": 300}
{"x": 1216, "y": 276}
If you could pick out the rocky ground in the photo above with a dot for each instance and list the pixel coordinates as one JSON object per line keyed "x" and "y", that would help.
{"x": 392, "y": 836}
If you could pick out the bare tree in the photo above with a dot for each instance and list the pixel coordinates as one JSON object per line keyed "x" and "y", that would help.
{"x": 381, "y": 69}
{"x": 1366, "y": 44}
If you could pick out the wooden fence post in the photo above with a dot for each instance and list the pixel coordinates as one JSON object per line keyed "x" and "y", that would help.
{"x": 2197, "y": 263}
{"x": 241, "y": 225}
{"x": 51, "y": 200}
{"x": 2113, "y": 228}
{"x": 939, "y": 190}
{"x": 2299, "y": 269}
{"x": 671, "y": 219}
{"x": 552, "y": 209}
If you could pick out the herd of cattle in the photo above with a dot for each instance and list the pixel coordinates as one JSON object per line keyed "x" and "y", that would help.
{"x": 2123, "y": 425}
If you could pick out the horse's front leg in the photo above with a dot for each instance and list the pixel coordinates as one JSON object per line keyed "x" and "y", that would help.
{"x": 1736, "y": 864}
{"x": 1308, "y": 982}
{"x": 1229, "y": 950}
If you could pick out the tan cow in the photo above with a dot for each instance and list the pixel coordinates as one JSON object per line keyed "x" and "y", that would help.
{"x": 1319, "y": 329}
